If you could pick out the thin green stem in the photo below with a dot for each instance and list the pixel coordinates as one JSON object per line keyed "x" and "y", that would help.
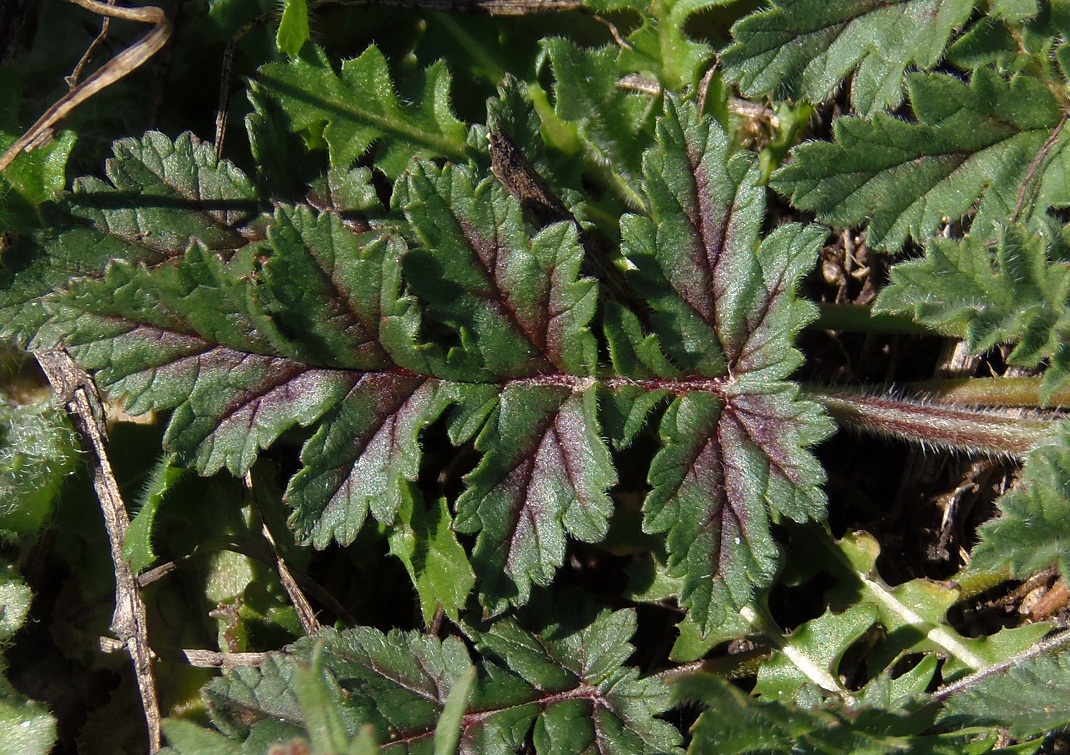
{"x": 1022, "y": 392}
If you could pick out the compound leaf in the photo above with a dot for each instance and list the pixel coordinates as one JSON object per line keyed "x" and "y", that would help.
{"x": 358, "y": 107}
{"x": 804, "y": 49}
{"x": 992, "y": 143}
{"x": 564, "y": 685}
{"x": 1016, "y": 291}
{"x": 734, "y": 455}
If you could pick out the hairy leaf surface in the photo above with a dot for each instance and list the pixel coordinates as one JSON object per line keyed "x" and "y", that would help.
{"x": 1034, "y": 530}
{"x": 992, "y": 145}
{"x": 160, "y": 194}
{"x": 734, "y": 455}
{"x": 1030, "y": 698}
{"x": 564, "y": 686}
{"x": 358, "y": 107}
{"x": 807, "y": 48}
{"x": 1017, "y": 292}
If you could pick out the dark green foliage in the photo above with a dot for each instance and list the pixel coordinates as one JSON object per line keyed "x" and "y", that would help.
{"x": 519, "y": 372}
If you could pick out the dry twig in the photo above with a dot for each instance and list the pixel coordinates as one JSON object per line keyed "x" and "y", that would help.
{"x": 75, "y": 388}
{"x": 131, "y": 58}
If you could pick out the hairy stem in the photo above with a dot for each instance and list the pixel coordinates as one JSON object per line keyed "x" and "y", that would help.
{"x": 1006, "y": 392}
{"x": 923, "y": 421}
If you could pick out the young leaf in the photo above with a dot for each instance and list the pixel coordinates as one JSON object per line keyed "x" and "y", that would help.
{"x": 994, "y": 143}
{"x": 1033, "y": 531}
{"x": 734, "y": 446}
{"x": 564, "y": 686}
{"x": 610, "y": 121}
{"x": 358, "y": 108}
{"x": 293, "y": 27}
{"x": 424, "y": 540}
{"x": 25, "y": 726}
{"x": 137, "y": 545}
{"x": 38, "y": 450}
{"x": 804, "y": 49}
{"x": 1017, "y": 291}
{"x": 660, "y": 44}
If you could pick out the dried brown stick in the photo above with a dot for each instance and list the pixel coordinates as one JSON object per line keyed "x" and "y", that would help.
{"x": 115, "y": 69}
{"x": 77, "y": 391}
{"x": 305, "y": 613}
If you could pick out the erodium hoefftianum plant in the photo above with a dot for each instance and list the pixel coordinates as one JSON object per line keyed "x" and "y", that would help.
{"x": 455, "y": 364}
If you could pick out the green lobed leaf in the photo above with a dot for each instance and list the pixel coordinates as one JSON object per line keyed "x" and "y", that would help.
{"x": 972, "y": 146}
{"x": 517, "y": 302}
{"x": 425, "y": 542}
{"x": 733, "y": 457}
{"x": 804, "y": 49}
{"x": 660, "y": 44}
{"x": 1031, "y": 698}
{"x": 612, "y": 124}
{"x": 544, "y": 474}
{"x": 734, "y": 723}
{"x": 1032, "y": 532}
{"x": 811, "y": 655}
{"x": 1014, "y": 292}
{"x": 563, "y": 685}
{"x": 160, "y": 194}
{"x": 358, "y": 107}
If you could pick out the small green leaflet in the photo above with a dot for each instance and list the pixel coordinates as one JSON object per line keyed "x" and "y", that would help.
{"x": 992, "y": 145}
{"x": 358, "y": 107}
{"x": 1014, "y": 292}
{"x": 807, "y": 48}
{"x": 563, "y": 685}
{"x": 293, "y": 27}
{"x": 1034, "y": 531}
{"x": 733, "y": 456}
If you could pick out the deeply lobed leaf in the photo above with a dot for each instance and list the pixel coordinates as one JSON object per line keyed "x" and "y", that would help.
{"x": 358, "y": 107}
{"x": 564, "y": 685}
{"x": 1014, "y": 292}
{"x": 972, "y": 145}
{"x": 807, "y": 48}
{"x": 733, "y": 455}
